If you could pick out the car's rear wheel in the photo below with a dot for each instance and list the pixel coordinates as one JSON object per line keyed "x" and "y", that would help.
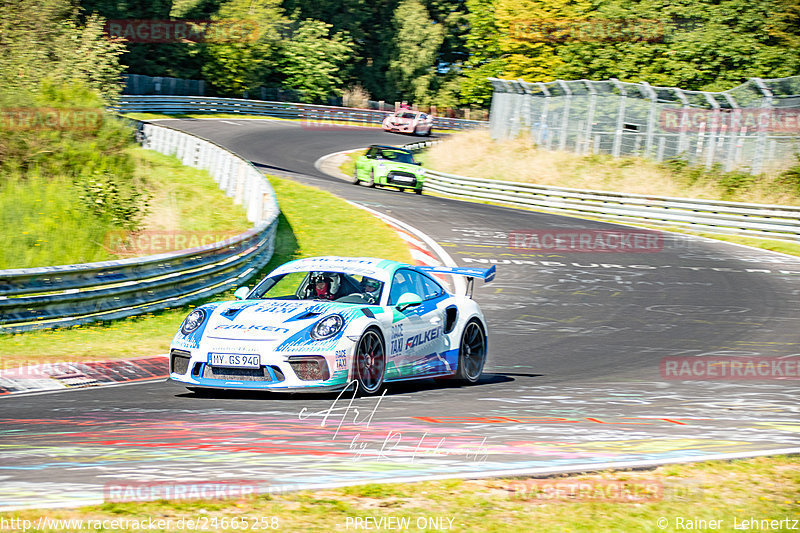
{"x": 371, "y": 181}
{"x": 471, "y": 352}
{"x": 369, "y": 363}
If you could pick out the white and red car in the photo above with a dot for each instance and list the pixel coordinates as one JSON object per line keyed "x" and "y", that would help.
{"x": 408, "y": 121}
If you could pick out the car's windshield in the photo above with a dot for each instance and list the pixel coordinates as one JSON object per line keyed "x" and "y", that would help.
{"x": 320, "y": 285}
{"x": 398, "y": 157}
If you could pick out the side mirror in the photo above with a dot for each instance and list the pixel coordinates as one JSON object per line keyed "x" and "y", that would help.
{"x": 407, "y": 300}
{"x": 241, "y": 293}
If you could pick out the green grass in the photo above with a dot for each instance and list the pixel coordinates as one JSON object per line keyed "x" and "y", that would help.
{"x": 313, "y": 222}
{"x": 43, "y": 222}
{"x": 762, "y": 488}
{"x": 186, "y": 198}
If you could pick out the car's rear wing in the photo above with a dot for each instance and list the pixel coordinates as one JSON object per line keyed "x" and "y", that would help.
{"x": 486, "y": 274}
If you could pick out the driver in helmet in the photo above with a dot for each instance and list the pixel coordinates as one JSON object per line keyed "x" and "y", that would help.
{"x": 321, "y": 287}
{"x": 371, "y": 289}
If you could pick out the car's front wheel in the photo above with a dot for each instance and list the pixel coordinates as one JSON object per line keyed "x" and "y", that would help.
{"x": 371, "y": 180}
{"x": 355, "y": 179}
{"x": 471, "y": 352}
{"x": 369, "y": 363}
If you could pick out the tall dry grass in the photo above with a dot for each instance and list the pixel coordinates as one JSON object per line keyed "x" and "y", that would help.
{"x": 475, "y": 154}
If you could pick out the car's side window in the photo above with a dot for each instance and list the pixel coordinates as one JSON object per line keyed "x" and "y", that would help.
{"x": 430, "y": 288}
{"x": 372, "y": 153}
{"x": 401, "y": 284}
{"x": 409, "y": 281}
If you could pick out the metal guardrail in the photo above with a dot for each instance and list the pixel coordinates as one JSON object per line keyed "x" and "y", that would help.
{"x": 761, "y": 220}
{"x": 59, "y": 296}
{"x": 312, "y": 113}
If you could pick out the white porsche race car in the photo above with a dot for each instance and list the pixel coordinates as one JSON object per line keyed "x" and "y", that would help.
{"x": 328, "y": 323}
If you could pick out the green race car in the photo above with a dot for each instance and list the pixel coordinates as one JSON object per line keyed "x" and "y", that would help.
{"x": 389, "y": 165}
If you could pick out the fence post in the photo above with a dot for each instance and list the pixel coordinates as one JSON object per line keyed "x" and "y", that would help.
{"x": 589, "y": 116}
{"x": 542, "y": 133}
{"x": 761, "y": 143}
{"x": 562, "y": 141}
{"x": 498, "y": 125}
{"x": 683, "y": 140}
{"x": 615, "y": 150}
{"x": 651, "y": 117}
{"x": 712, "y": 133}
{"x": 736, "y": 119}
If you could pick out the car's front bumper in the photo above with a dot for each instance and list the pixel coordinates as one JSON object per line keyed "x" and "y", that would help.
{"x": 403, "y": 179}
{"x": 296, "y": 372}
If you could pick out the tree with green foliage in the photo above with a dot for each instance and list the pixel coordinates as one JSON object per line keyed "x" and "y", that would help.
{"x": 234, "y": 66}
{"x": 315, "y": 62}
{"x": 369, "y": 25}
{"x": 45, "y": 41}
{"x": 416, "y": 43}
{"x": 485, "y": 61}
{"x": 703, "y": 45}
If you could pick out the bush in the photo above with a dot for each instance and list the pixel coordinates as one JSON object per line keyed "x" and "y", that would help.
{"x": 93, "y": 158}
{"x": 355, "y": 96}
{"x": 727, "y": 183}
{"x": 791, "y": 176}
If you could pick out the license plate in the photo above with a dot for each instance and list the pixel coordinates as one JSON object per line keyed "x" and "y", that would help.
{"x": 237, "y": 360}
{"x": 405, "y": 179}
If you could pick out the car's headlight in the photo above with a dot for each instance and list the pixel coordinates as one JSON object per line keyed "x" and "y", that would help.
{"x": 193, "y": 321}
{"x": 327, "y": 327}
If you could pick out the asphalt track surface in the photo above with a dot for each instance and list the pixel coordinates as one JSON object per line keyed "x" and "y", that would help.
{"x": 573, "y": 381}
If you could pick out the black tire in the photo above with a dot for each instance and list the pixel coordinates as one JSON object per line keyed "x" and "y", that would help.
{"x": 471, "y": 353}
{"x": 369, "y": 363}
{"x": 371, "y": 181}
{"x": 355, "y": 179}
{"x": 418, "y": 191}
